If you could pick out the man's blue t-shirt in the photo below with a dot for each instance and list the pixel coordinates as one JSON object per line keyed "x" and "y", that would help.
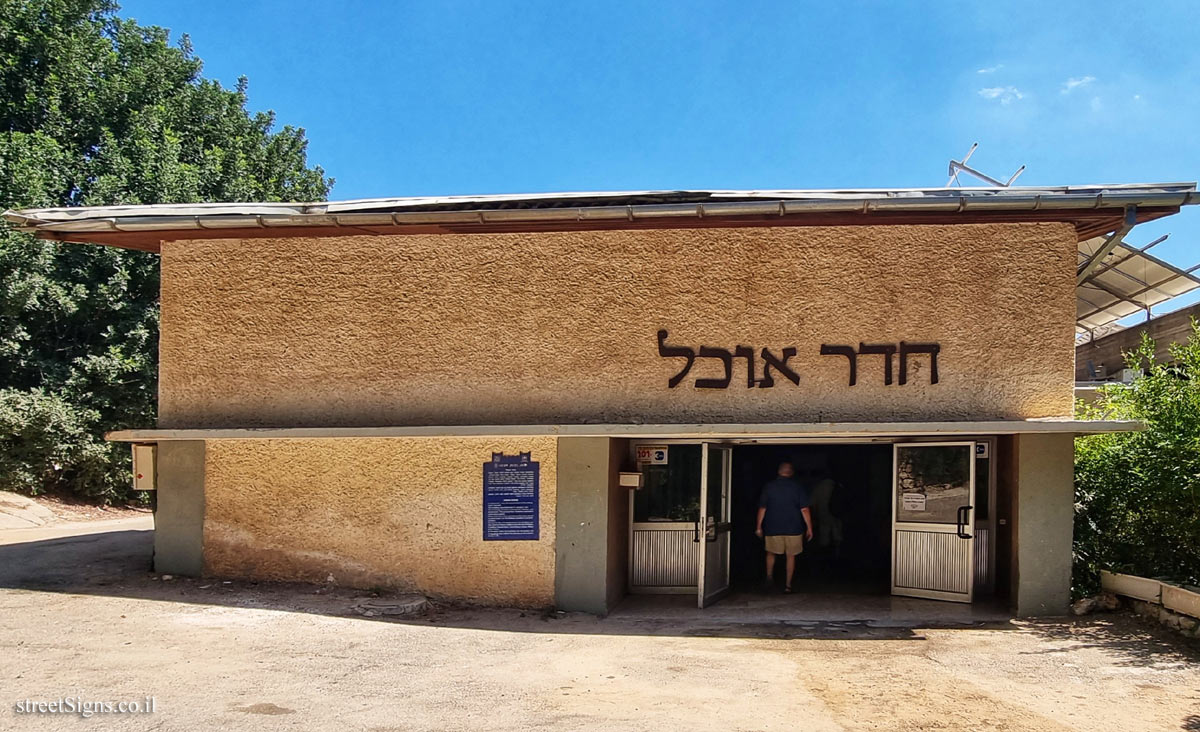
{"x": 783, "y": 498}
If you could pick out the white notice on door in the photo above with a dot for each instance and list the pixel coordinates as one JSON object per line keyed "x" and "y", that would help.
{"x": 912, "y": 501}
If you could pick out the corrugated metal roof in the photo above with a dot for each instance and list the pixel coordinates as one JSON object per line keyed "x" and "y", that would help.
{"x": 1125, "y": 282}
{"x": 594, "y": 206}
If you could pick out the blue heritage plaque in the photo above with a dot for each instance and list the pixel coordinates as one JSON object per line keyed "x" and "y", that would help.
{"x": 510, "y": 498}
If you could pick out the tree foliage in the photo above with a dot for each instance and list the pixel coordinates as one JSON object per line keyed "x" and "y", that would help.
{"x": 1138, "y": 493}
{"x": 97, "y": 110}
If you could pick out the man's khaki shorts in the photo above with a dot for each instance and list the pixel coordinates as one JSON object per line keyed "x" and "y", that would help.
{"x": 785, "y": 544}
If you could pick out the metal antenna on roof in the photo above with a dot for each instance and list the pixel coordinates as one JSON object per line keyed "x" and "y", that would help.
{"x": 960, "y": 166}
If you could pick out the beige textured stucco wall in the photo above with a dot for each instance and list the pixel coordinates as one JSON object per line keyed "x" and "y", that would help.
{"x": 561, "y": 327}
{"x": 402, "y": 513}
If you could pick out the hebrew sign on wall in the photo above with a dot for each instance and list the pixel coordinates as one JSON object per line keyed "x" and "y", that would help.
{"x": 778, "y": 363}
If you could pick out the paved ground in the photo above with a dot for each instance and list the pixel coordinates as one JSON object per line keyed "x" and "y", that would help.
{"x": 84, "y": 617}
{"x": 22, "y": 512}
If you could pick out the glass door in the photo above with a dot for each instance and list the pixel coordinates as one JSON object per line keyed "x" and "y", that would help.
{"x": 933, "y": 520}
{"x": 715, "y": 523}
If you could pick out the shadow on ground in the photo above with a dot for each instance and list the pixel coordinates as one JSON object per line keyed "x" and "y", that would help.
{"x": 1129, "y": 639}
{"x": 118, "y": 564}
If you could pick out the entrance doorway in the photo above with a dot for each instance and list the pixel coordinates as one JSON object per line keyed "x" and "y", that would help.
{"x": 888, "y": 517}
{"x": 850, "y": 489}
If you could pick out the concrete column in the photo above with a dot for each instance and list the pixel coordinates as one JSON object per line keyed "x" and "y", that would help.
{"x": 179, "y": 516}
{"x": 1044, "y": 513}
{"x": 582, "y": 531}
{"x": 618, "y": 524}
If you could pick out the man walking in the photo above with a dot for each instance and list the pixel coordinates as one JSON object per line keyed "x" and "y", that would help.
{"x": 784, "y": 521}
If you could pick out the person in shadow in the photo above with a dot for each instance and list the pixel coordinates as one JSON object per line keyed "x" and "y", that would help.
{"x": 784, "y": 522}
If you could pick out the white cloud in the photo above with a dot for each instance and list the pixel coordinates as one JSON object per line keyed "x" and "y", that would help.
{"x": 989, "y": 69}
{"x": 1074, "y": 83}
{"x": 1006, "y": 94}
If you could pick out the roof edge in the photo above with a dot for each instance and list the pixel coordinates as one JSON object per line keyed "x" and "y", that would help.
{"x": 585, "y": 206}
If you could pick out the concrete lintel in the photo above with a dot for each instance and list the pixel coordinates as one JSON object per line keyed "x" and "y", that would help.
{"x": 660, "y": 431}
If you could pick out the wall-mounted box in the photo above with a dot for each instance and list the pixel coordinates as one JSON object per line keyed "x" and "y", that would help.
{"x": 631, "y": 480}
{"x": 144, "y": 466}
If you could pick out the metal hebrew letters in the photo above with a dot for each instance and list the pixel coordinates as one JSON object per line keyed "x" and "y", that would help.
{"x": 779, "y": 365}
{"x": 747, "y": 353}
{"x": 884, "y": 349}
{"x": 887, "y": 350}
{"x": 773, "y": 363}
{"x": 848, "y": 352}
{"x": 726, "y": 361}
{"x": 675, "y": 352}
{"x": 930, "y": 348}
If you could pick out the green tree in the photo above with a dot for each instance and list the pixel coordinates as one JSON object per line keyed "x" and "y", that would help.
{"x": 1138, "y": 493}
{"x": 97, "y": 110}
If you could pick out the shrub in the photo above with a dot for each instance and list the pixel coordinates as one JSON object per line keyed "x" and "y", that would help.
{"x": 48, "y": 444}
{"x": 1137, "y": 494}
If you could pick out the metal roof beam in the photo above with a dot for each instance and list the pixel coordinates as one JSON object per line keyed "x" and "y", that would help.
{"x": 1133, "y": 253}
{"x": 1109, "y": 244}
{"x": 1098, "y": 308}
{"x": 1186, "y": 273}
{"x": 1136, "y": 280}
{"x": 1119, "y": 296}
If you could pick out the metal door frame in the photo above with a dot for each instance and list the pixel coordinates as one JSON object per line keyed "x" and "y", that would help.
{"x": 993, "y": 524}
{"x": 704, "y": 598}
{"x": 935, "y": 528}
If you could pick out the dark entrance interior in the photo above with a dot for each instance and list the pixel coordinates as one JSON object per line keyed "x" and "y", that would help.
{"x": 851, "y": 547}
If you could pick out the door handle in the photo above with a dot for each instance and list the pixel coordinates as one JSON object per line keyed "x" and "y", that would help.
{"x": 964, "y": 514}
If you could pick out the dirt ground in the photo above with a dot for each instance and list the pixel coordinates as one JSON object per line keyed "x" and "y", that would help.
{"x": 84, "y": 617}
{"x": 67, "y": 508}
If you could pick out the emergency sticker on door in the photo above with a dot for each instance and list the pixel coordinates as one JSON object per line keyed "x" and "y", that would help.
{"x": 652, "y": 454}
{"x": 912, "y": 501}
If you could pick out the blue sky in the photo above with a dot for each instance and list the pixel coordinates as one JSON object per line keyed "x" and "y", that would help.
{"x": 408, "y": 98}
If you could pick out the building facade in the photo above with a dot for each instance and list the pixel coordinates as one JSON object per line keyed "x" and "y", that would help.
{"x": 560, "y": 400}
{"x": 1102, "y": 358}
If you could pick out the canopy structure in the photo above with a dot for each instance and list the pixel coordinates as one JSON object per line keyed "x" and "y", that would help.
{"x": 1123, "y": 282}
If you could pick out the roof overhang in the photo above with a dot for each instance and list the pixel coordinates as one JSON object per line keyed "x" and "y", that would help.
{"x": 830, "y": 430}
{"x": 1092, "y": 210}
{"x": 1123, "y": 280}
